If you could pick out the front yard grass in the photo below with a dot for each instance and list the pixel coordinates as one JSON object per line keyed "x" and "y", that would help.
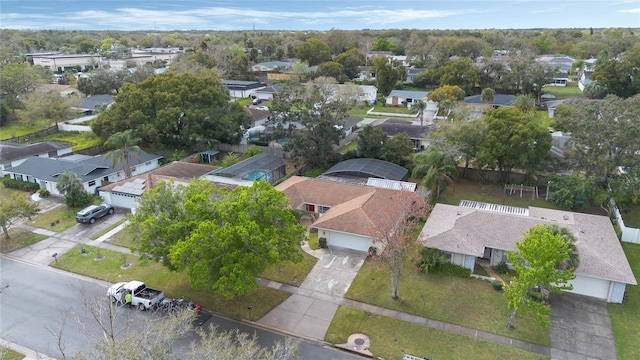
{"x": 104, "y": 231}
{"x": 463, "y": 301}
{"x": 125, "y": 238}
{"x": 19, "y": 238}
{"x": 625, "y": 317}
{"x": 289, "y": 272}
{"x": 8, "y": 354}
{"x": 391, "y": 338}
{"x": 392, "y": 109}
{"x": 9, "y": 131}
{"x": 58, "y": 219}
{"x": 172, "y": 283}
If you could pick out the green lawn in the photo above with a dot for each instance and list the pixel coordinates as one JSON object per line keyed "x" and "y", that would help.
{"x": 353, "y": 145}
{"x": 465, "y": 189}
{"x": 563, "y": 92}
{"x": 542, "y": 118}
{"x": 125, "y": 238}
{"x": 19, "y": 238}
{"x": 80, "y": 140}
{"x": 289, "y": 272}
{"x": 58, "y": 219}
{"x": 392, "y": 109}
{"x": 7, "y": 354}
{"x": 625, "y": 317}
{"x": 391, "y": 338}
{"x": 464, "y": 301}
{"x": 173, "y": 284}
{"x": 631, "y": 216}
{"x": 9, "y": 131}
{"x": 362, "y": 112}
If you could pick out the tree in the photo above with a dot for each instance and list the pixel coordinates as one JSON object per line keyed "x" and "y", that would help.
{"x": 371, "y": 141}
{"x": 223, "y": 239}
{"x": 331, "y": 69}
{"x": 386, "y": 77}
{"x": 44, "y": 108}
{"x": 465, "y": 137}
{"x": 573, "y": 192}
{"x": 121, "y": 337}
{"x": 436, "y": 169}
{"x": 447, "y": 92}
{"x": 540, "y": 75}
{"x": 487, "y": 95}
{"x": 314, "y": 51}
{"x": 512, "y": 139}
{"x": 102, "y": 81}
{"x": 419, "y": 106}
{"x": 74, "y": 193}
{"x": 524, "y": 104}
{"x": 393, "y": 228}
{"x": 350, "y": 60}
{"x": 595, "y": 90}
{"x": 124, "y": 147}
{"x": 604, "y": 134}
{"x": 382, "y": 44}
{"x": 540, "y": 254}
{"x": 459, "y": 73}
{"x": 18, "y": 80}
{"x": 619, "y": 77}
{"x": 311, "y": 122}
{"x": 398, "y": 149}
{"x": 174, "y": 109}
{"x": 14, "y": 208}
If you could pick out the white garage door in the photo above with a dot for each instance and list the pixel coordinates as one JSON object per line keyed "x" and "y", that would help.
{"x": 591, "y": 287}
{"x": 349, "y": 241}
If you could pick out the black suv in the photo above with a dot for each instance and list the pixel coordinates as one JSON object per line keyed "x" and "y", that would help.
{"x": 93, "y": 212}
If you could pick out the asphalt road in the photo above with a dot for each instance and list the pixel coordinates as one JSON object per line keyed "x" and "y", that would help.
{"x": 35, "y": 302}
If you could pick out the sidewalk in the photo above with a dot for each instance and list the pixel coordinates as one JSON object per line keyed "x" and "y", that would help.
{"x": 309, "y": 312}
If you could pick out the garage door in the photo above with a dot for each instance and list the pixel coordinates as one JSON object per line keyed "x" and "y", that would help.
{"x": 591, "y": 287}
{"x": 349, "y": 241}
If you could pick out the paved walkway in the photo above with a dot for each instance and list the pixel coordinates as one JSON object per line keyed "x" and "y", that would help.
{"x": 308, "y": 312}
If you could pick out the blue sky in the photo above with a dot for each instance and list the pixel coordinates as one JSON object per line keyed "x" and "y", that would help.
{"x": 316, "y": 14}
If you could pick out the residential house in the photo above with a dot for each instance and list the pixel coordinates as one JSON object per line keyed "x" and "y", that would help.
{"x": 243, "y": 89}
{"x": 499, "y": 100}
{"x": 343, "y": 214}
{"x": 405, "y": 97}
{"x": 365, "y": 73}
{"x": 13, "y": 154}
{"x": 90, "y": 103}
{"x": 93, "y": 171}
{"x": 561, "y": 78}
{"x": 268, "y": 93}
{"x": 412, "y": 73}
{"x": 271, "y": 66}
{"x": 127, "y": 193}
{"x": 417, "y": 133}
{"x": 473, "y": 232}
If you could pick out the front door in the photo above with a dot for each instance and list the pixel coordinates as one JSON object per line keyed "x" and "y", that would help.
{"x": 487, "y": 253}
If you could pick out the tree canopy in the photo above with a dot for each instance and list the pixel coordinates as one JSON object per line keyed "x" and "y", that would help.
{"x": 174, "y": 109}
{"x": 512, "y": 139}
{"x": 13, "y": 208}
{"x": 538, "y": 265}
{"x": 223, "y": 239}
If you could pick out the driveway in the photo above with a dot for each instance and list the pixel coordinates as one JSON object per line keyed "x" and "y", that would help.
{"x": 309, "y": 311}
{"x": 580, "y": 328}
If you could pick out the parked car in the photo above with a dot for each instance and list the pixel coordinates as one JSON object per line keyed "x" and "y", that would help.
{"x": 93, "y": 212}
{"x": 256, "y": 101}
{"x": 262, "y": 108}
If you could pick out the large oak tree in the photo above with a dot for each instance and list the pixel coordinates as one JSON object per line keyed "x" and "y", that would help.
{"x": 223, "y": 239}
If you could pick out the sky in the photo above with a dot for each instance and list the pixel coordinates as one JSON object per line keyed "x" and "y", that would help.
{"x": 167, "y": 15}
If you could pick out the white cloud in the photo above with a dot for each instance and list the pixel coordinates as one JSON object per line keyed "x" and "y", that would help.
{"x": 633, "y": 11}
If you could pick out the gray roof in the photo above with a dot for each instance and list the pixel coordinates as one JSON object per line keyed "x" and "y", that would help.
{"x": 468, "y": 231}
{"x": 243, "y": 85}
{"x": 369, "y": 168}
{"x": 408, "y": 94}
{"x": 11, "y": 151}
{"x": 90, "y": 102}
{"x": 395, "y": 126}
{"x": 259, "y": 162}
{"x": 87, "y": 169}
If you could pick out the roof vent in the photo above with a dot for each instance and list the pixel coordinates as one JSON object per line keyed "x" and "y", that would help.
{"x": 565, "y": 217}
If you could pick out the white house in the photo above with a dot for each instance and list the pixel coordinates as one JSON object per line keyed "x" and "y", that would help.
{"x": 408, "y": 97}
{"x": 93, "y": 171}
{"x": 343, "y": 213}
{"x": 473, "y": 231}
{"x": 243, "y": 89}
{"x": 12, "y": 154}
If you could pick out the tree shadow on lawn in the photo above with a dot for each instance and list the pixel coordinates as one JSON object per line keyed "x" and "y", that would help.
{"x": 467, "y": 302}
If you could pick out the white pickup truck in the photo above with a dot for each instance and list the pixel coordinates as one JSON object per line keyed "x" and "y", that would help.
{"x": 142, "y": 297}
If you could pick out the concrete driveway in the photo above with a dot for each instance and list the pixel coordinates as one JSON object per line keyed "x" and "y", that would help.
{"x": 309, "y": 311}
{"x": 580, "y": 328}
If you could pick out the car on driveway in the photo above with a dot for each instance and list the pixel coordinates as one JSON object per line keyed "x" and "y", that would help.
{"x": 262, "y": 108}
{"x": 93, "y": 212}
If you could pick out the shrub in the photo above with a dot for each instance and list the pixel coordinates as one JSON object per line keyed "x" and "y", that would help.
{"x": 451, "y": 269}
{"x": 502, "y": 268}
{"x": 20, "y": 185}
{"x": 80, "y": 199}
{"x": 315, "y": 172}
{"x": 497, "y": 285}
{"x": 44, "y": 193}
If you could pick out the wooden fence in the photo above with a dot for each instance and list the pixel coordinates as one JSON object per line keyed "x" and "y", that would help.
{"x": 34, "y": 135}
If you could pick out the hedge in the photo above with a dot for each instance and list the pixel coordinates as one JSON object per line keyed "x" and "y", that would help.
{"x": 20, "y": 185}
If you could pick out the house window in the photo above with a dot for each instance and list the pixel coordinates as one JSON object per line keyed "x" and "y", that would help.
{"x": 323, "y": 209}
{"x": 148, "y": 163}
{"x": 7, "y": 166}
{"x": 106, "y": 178}
{"x": 92, "y": 183}
{"x": 18, "y": 177}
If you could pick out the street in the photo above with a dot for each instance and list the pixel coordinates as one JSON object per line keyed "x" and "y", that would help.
{"x": 37, "y": 301}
